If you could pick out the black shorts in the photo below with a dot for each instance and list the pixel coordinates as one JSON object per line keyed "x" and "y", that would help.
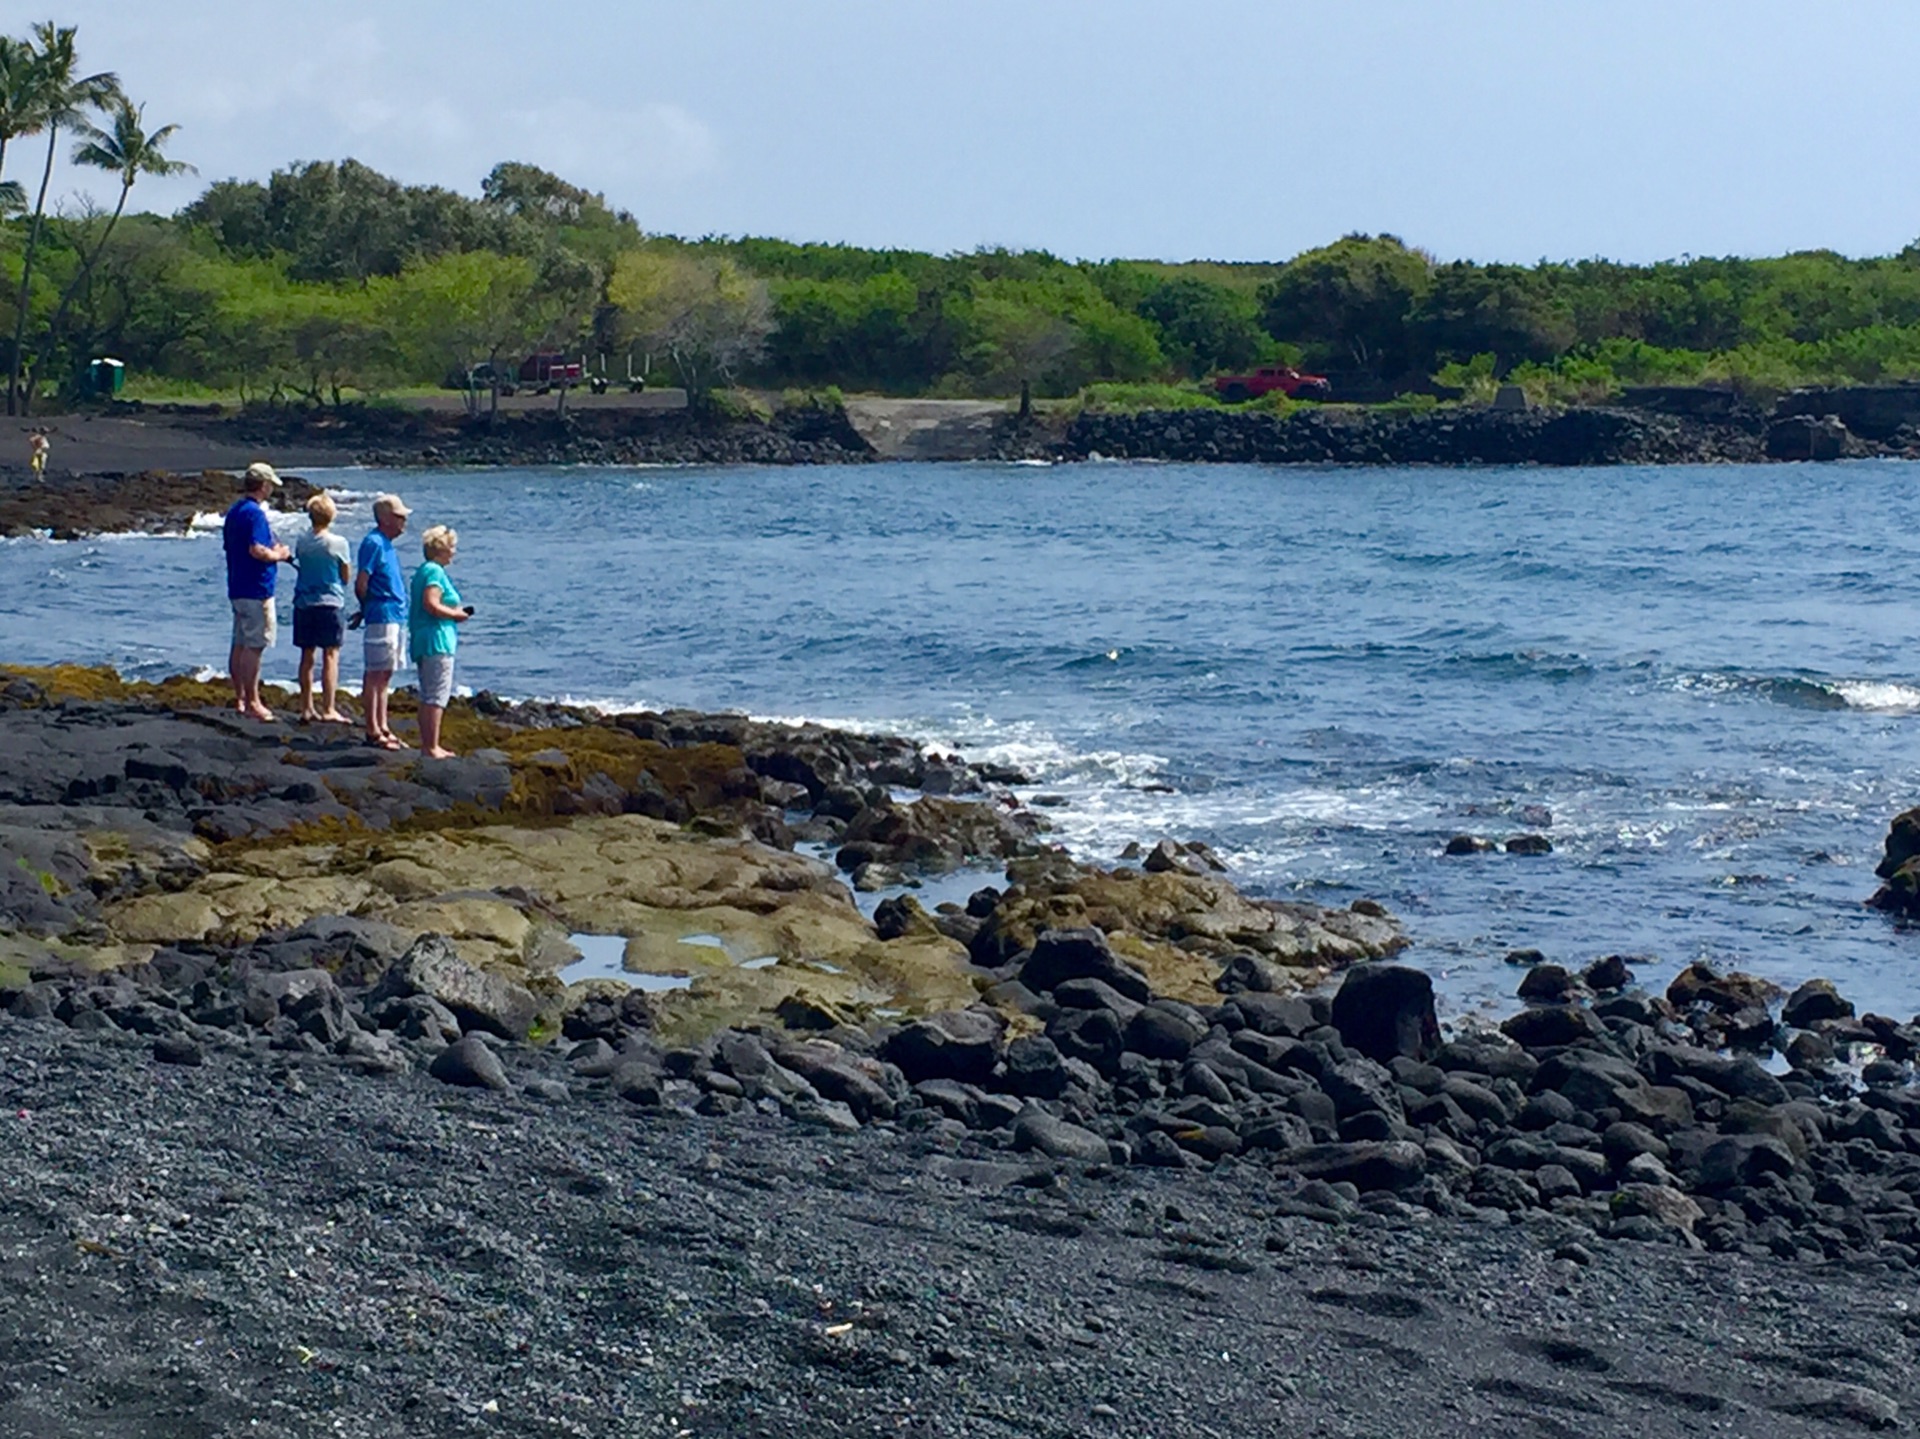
{"x": 318, "y": 627}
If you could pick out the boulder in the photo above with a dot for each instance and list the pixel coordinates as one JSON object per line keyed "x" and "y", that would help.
{"x": 1038, "y": 1130}
{"x": 1666, "y": 1207}
{"x": 1361, "y": 1086}
{"x": 1093, "y": 1036}
{"x": 1164, "y": 1030}
{"x": 1608, "y": 974}
{"x": 1366, "y": 1164}
{"x": 470, "y": 1065}
{"x": 1700, "y": 983}
{"x": 1290, "y": 1015}
{"x": 478, "y": 1000}
{"x": 1385, "y": 1011}
{"x": 840, "y": 1077}
{"x": 1034, "y": 1068}
{"x": 962, "y": 1044}
{"x": 1591, "y": 1080}
{"x": 1901, "y": 892}
{"x": 1741, "y": 1160}
{"x": 1815, "y": 1002}
{"x": 1549, "y": 983}
{"x": 1060, "y": 955}
{"x": 1554, "y": 1025}
{"x": 1742, "y": 1078}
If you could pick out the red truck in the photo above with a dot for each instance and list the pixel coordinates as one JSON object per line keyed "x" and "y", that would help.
{"x": 1268, "y": 378}
{"x": 550, "y": 371}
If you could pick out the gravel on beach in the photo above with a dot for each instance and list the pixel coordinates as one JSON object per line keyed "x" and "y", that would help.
{"x": 270, "y": 1244}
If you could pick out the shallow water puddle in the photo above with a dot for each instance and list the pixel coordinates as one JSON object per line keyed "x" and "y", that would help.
{"x": 602, "y": 956}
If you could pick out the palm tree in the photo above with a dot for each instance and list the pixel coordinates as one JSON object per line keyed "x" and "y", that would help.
{"x": 16, "y": 109}
{"x": 125, "y": 149}
{"x": 55, "y": 99}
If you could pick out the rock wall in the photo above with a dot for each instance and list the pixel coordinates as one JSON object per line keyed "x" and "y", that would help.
{"x": 810, "y": 434}
{"x": 1438, "y": 437}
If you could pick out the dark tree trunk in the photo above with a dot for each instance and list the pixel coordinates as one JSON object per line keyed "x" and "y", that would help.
{"x": 26, "y": 276}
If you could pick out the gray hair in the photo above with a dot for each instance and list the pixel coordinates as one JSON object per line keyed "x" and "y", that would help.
{"x": 438, "y": 541}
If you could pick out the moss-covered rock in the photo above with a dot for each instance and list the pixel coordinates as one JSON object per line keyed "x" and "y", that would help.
{"x": 1177, "y": 928}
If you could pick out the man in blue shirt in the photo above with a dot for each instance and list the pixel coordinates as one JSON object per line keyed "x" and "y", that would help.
{"x": 252, "y": 558}
{"x": 382, "y": 591}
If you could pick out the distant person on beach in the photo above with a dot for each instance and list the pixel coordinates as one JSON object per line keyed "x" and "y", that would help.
{"x": 434, "y": 614}
{"x": 382, "y": 591}
{"x": 319, "y": 609}
{"x": 38, "y": 447}
{"x": 252, "y": 559}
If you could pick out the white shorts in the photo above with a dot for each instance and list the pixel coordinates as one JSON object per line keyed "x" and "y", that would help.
{"x": 436, "y": 679}
{"x": 384, "y": 654}
{"x": 253, "y": 627}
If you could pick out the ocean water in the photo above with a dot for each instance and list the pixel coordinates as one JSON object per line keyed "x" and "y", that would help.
{"x": 1706, "y": 676}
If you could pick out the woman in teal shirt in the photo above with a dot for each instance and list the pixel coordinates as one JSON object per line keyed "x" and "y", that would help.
{"x": 434, "y": 614}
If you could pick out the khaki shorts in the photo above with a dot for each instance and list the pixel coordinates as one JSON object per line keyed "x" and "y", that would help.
{"x": 253, "y": 627}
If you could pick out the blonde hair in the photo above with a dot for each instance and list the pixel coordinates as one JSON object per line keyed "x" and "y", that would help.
{"x": 320, "y": 509}
{"x": 438, "y": 542}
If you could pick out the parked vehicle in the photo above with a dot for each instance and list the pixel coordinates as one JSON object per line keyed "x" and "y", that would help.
{"x": 548, "y": 370}
{"x": 478, "y": 377}
{"x": 1264, "y": 381}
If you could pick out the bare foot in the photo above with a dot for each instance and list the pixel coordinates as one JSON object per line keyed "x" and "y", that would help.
{"x": 335, "y": 717}
{"x": 260, "y": 712}
{"x": 309, "y": 717}
{"x": 438, "y": 752}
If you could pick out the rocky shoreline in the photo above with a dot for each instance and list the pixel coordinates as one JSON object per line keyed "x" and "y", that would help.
{"x": 1138, "y": 1067}
{"x": 68, "y": 507}
{"x": 1651, "y": 427}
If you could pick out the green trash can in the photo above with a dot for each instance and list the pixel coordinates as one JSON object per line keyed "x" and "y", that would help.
{"x": 106, "y": 376}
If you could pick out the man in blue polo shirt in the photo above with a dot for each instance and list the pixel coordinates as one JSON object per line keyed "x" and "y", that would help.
{"x": 381, "y": 589}
{"x": 252, "y": 558}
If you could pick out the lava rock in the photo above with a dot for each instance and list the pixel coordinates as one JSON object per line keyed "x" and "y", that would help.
{"x": 1369, "y": 1165}
{"x": 469, "y": 1065}
{"x": 1063, "y": 954}
{"x": 1386, "y": 1010}
{"x": 1813, "y": 1003}
{"x": 478, "y": 1000}
{"x": 957, "y": 1044}
{"x": 1554, "y": 1025}
{"x": 1550, "y": 983}
{"x": 1036, "y": 1129}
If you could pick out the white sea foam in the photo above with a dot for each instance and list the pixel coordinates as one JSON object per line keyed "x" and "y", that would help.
{"x": 1881, "y": 696}
{"x": 595, "y": 705}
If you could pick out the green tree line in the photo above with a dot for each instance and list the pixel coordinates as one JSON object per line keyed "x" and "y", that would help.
{"x": 328, "y": 281}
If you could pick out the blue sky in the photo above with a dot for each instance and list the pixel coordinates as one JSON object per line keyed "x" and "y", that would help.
{"x": 1485, "y": 129}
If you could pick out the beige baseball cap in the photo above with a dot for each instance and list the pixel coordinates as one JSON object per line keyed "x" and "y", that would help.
{"x": 390, "y": 505}
{"x": 261, "y": 473}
